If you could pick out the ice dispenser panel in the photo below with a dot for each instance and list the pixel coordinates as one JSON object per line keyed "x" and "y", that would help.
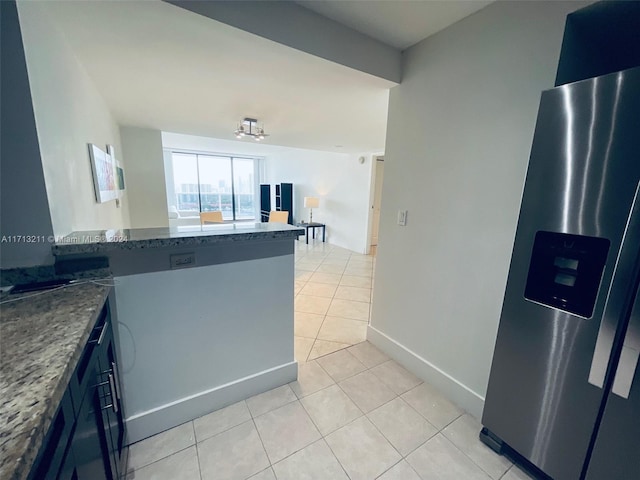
{"x": 565, "y": 271}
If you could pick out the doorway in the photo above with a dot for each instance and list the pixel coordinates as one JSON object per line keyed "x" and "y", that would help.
{"x": 377, "y": 200}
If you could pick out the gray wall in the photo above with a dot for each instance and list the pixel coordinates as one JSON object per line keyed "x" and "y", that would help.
{"x": 144, "y": 177}
{"x": 24, "y": 207}
{"x": 458, "y": 140}
{"x": 303, "y": 29}
{"x": 195, "y": 340}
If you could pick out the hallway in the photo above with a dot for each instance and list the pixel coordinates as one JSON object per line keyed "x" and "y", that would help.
{"x": 332, "y": 298}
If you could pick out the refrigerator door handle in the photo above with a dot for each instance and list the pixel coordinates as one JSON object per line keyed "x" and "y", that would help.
{"x": 629, "y": 355}
{"x": 622, "y": 273}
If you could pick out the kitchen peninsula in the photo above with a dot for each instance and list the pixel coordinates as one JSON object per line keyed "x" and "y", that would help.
{"x": 204, "y": 315}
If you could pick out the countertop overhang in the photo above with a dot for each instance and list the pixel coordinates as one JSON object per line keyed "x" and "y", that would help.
{"x": 102, "y": 241}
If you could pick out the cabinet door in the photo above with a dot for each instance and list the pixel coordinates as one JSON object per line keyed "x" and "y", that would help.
{"x": 111, "y": 403}
{"x": 90, "y": 446}
{"x": 56, "y": 442}
{"x": 68, "y": 470}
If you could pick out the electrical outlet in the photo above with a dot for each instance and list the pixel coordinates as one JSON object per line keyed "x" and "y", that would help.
{"x": 182, "y": 260}
{"x": 402, "y": 217}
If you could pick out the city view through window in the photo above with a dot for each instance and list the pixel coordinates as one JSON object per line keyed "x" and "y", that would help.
{"x": 207, "y": 183}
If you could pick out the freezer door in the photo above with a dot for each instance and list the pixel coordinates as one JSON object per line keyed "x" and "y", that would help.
{"x": 545, "y": 390}
{"x": 616, "y": 455}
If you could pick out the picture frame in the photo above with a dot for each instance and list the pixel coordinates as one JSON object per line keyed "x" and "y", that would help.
{"x": 120, "y": 175}
{"x": 119, "y": 170}
{"x": 104, "y": 174}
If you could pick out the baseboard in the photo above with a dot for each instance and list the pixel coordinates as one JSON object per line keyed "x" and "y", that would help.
{"x": 454, "y": 390}
{"x": 151, "y": 422}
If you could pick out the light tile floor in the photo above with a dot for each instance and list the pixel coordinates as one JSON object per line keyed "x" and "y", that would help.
{"x": 352, "y": 415}
{"x": 332, "y": 298}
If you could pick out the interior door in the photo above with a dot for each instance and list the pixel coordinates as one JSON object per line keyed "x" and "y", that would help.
{"x": 377, "y": 200}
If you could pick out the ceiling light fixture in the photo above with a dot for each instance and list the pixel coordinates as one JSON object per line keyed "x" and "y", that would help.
{"x": 249, "y": 128}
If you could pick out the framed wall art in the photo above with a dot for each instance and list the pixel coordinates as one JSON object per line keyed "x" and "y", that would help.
{"x": 118, "y": 169}
{"x": 105, "y": 177}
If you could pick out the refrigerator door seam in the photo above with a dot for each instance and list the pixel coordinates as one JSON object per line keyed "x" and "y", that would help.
{"x": 608, "y": 325}
{"x": 629, "y": 356}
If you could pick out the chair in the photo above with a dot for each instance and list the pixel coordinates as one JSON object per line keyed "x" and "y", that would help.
{"x": 210, "y": 217}
{"x": 281, "y": 216}
{"x": 173, "y": 212}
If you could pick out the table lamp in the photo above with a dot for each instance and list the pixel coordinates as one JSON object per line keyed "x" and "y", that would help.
{"x": 311, "y": 203}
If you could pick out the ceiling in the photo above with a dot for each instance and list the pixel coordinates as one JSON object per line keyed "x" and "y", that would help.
{"x": 170, "y": 69}
{"x": 399, "y": 23}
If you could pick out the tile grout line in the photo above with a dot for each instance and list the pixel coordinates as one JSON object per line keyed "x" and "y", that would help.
{"x": 464, "y": 453}
{"x": 347, "y": 260}
{"x": 399, "y": 396}
{"x": 366, "y": 415}
{"x": 253, "y": 420}
{"x": 197, "y": 449}
{"x": 394, "y": 465}
{"x": 467, "y": 456}
{"x": 318, "y": 332}
{"x": 334, "y": 453}
{"x": 226, "y": 429}
{"x": 324, "y": 318}
{"x": 322, "y": 437}
{"x": 128, "y": 472}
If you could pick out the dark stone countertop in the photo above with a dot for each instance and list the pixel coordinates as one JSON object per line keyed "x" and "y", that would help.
{"x": 42, "y": 335}
{"x": 100, "y": 241}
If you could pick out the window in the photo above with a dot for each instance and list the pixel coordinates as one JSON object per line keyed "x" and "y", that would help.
{"x": 207, "y": 183}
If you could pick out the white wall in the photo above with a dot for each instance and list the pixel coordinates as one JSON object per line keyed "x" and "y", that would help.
{"x": 144, "y": 177}
{"x": 341, "y": 182}
{"x": 458, "y": 141}
{"x": 69, "y": 113}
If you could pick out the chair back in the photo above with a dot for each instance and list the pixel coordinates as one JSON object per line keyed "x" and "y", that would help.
{"x": 281, "y": 216}
{"x": 211, "y": 217}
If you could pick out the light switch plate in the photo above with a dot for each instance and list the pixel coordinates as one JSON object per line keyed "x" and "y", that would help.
{"x": 402, "y": 217}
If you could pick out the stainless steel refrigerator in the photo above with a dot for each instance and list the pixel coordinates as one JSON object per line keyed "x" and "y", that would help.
{"x": 564, "y": 389}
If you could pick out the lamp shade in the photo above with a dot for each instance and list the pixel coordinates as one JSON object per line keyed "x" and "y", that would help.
{"x": 311, "y": 202}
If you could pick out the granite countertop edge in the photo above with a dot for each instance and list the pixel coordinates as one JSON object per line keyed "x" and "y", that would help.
{"x": 34, "y": 434}
{"x": 69, "y": 247}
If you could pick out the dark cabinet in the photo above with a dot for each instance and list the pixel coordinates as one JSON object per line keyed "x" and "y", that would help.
{"x": 68, "y": 470}
{"x": 111, "y": 403}
{"x": 89, "y": 441}
{"x": 599, "y": 39}
{"x": 87, "y": 437}
{"x": 265, "y": 202}
{"x": 284, "y": 199}
{"x": 56, "y": 446}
